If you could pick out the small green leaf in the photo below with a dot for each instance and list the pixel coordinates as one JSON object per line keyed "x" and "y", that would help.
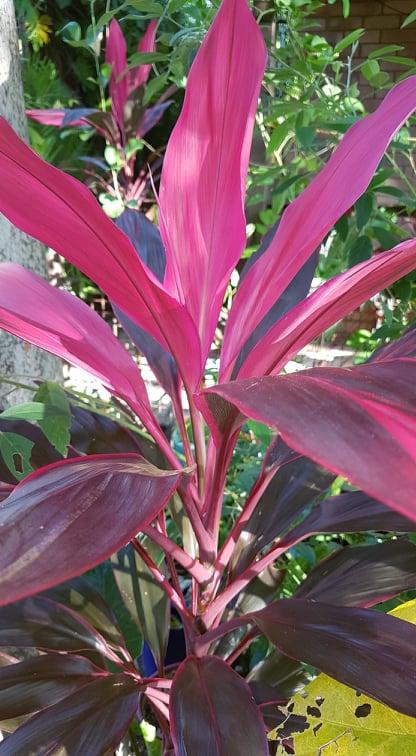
{"x": 385, "y": 51}
{"x": 15, "y": 451}
{"x": 369, "y": 69}
{"x": 361, "y": 250}
{"x": 305, "y": 136}
{"x": 147, "y": 57}
{"x": 341, "y": 227}
{"x": 57, "y": 419}
{"x": 348, "y": 40}
{"x": 154, "y": 87}
{"x": 146, "y": 6}
{"x": 345, "y": 8}
{"x": 363, "y": 210}
{"x": 409, "y": 19}
{"x": 71, "y": 31}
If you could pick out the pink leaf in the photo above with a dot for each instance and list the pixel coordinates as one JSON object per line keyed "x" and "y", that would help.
{"x": 308, "y": 219}
{"x": 204, "y": 172}
{"x": 62, "y": 213}
{"x": 140, "y": 74}
{"x": 73, "y": 515}
{"x": 62, "y": 324}
{"x": 328, "y": 304}
{"x": 56, "y": 117}
{"x": 358, "y": 422}
{"x": 116, "y": 56}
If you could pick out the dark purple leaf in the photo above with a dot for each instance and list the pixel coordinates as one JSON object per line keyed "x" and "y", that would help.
{"x": 358, "y": 422}
{"x": 35, "y": 683}
{"x": 151, "y": 117}
{"x": 294, "y": 486}
{"x": 364, "y": 649}
{"x": 78, "y": 114}
{"x": 286, "y": 676}
{"x": 212, "y": 711}
{"x": 362, "y": 576}
{"x": 146, "y": 240}
{"x": 90, "y": 721}
{"x": 352, "y": 512}
{"x": 73, "y": 515}
{"x": 40, "y": 622}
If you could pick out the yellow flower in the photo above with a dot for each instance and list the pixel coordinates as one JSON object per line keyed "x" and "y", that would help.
{"x": 39, "y": 31}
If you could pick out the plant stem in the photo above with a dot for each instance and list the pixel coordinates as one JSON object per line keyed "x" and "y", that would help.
{"x": 233, "y": 589}
{"x": 199, "y": 442}
{"x": 200, "y": 573}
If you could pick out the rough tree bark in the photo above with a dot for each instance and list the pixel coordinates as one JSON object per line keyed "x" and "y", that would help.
{"x": 17, "y": 359}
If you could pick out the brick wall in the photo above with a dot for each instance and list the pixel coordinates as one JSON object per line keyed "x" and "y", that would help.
{"x": 381, "y": 21}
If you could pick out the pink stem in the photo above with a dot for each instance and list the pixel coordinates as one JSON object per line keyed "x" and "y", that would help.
{"x": 234, "y": 588}
{"x": 193, "y": 566}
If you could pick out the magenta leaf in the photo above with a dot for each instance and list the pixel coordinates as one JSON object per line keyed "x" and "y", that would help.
{"x": 116, "y": 57}
{"x": 362, "y": 576}
{"x": 61, "y": 118}
{"x": 50, "y": 517}
{"x": 64, "y": 325}
{"x": 365, "y": 649}
{"x": 210, "y": 707}
{"x": 204, "y": 170}
{"x": 62, "y": 213}
{"x": 328, "y": 304}
{"x": 38, "y": 682}
{"x": 90, "y": 721}
{"x": 308, "y": 219}
{"x": 139, "y": 75}
{"x": 358, "y": 422}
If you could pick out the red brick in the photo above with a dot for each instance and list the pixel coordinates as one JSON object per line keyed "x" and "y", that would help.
{"x": 370, "y": 8}
{"x": 371, "y": 36}
{"x": 396, "y": 6}
{"x": 382, "y": 22}
{"x": 341, "y": 24}
{"x": 399, "y": 36}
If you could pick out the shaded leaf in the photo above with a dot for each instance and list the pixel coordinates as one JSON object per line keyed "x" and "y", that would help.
{"x": 143, "y": 597}
{"x": 36, "y": 683}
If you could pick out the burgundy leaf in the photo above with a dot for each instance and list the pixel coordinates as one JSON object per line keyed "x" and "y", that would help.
{"x": 204, "y": 170}
{"x": 367, "y": 650}
{"x": 294, "y": 486}
{"x": 63, "y": 214}
{"x": 308, "y": 219}
{"x": 90, "y": 721}
{"x": 212, "y": 709}
{"x": 33, "y": 684}
{"x": 328, "y": 304}
{"x": 352, "y": 512}
{"x": 39, "y": 622}
{"x": 51, "y": 515}
{"x": 358, "y": 422}
{"x": 362, "y": 576}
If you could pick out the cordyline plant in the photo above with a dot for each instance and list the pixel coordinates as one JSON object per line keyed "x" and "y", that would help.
{"x": 359, "y": 423}
{"x": 126, "y": 124}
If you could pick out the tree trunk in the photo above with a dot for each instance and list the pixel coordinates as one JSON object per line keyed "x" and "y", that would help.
{"x": 18, "y": 359}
